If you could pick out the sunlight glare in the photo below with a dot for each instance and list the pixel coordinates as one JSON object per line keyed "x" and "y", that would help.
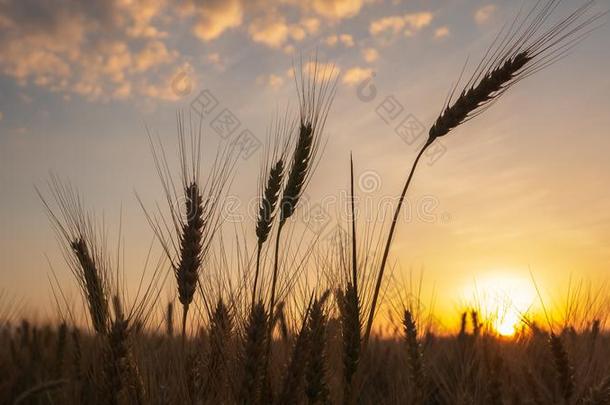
{"x": 502, "y": 300}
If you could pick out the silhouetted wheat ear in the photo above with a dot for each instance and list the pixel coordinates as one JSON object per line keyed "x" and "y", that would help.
{"x": 463, "y": 325}
{"x": 317, "y": 388}
{"x": 565, "y": 372}
{"x": 416, "y": 369}
{"x": 123, "y": 383}
{"x": 169, "y": 319}
{"x": 470, "y": 100}
{"x": 266, "y": 209}
{"x": 294, "y": 375}
{"x": 266, "y": 213}
{"x": 301, "y": 164}
{"x": 476, "y": 325}
{"x": 349, "y": 308}
{"x": 187, "y": 271}
{"x": 62, "y": 333}
{"x": 221, "y": 328}
{"x": 94, "y": 285}
{"x": 254, "y": 355}
{"x": 526, "y": 48}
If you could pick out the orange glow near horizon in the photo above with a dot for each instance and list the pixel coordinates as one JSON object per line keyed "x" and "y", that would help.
{"x": 502, "y": 300}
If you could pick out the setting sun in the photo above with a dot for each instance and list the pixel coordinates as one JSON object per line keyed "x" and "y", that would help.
{"x": 502, "y": 300}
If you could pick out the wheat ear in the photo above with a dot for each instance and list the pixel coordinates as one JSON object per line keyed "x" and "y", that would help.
{"x": 416, "y": 369}
{"x": 349, "y": 308}
{"x": 273, "y": 177}
{"x": 563, "y": 368}
{"x": 317, "y": 390}
{"x": 295, "y": 372}
{"x": 254, "y": 355}
{"x": 221, "y": 329}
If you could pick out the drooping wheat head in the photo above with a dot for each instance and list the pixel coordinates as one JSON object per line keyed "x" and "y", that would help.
{"x": 84, "y": 251}
{"x": 525, "y": 48}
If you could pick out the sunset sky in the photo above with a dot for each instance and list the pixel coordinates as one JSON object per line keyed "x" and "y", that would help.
{"x": 522, "y": 188}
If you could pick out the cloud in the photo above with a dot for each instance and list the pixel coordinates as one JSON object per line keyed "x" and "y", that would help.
{"x": 417, "y": 21}
{"x": 98, "y": 50}
{"x": 271, "y": 31}
{"x": 214, "y": 58}
{"x": 274, "y": 31}
{"x": 442, "y": 32}
{"x": 345, "y": 39}
{"x": 214, "y": 17}
{"x": 356, "y": 75}
{"x": 273, "y": 81}
{"x": 311, "y": 24}
{"x": 172, "y": 86}
{"x": 337, "y": 9}
{"x": 154, "y": 53}
{"x": 409, "y": 24}
{"x": 120, "y": 49}
{"x": 484, "y": 14}
{"x": 370, "y": 55}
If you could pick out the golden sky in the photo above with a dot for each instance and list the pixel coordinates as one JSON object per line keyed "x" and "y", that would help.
{"x": 521, "y": 190}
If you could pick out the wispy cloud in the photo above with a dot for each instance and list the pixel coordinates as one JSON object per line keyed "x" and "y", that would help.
{"x": 408, "y": 24}
{"x": 345, "y": 39}
{"x": 214, "y": 17}
{"x": 337, "y": 9}
{"x": 370, "y": 55}
{"x": 272, "y": 80}
{"x": 356, "y": 75}
{"x": 484, "y": 14}
{"x": 442, "y": 32}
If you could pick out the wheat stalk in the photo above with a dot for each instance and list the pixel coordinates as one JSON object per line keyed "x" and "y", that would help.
{"x": 525, "y": 49}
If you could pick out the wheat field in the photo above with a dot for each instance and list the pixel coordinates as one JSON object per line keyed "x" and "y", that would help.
{"x": 283, "y": 322}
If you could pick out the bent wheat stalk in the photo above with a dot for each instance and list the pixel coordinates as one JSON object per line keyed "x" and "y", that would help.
{"x": 524, "y": 49}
